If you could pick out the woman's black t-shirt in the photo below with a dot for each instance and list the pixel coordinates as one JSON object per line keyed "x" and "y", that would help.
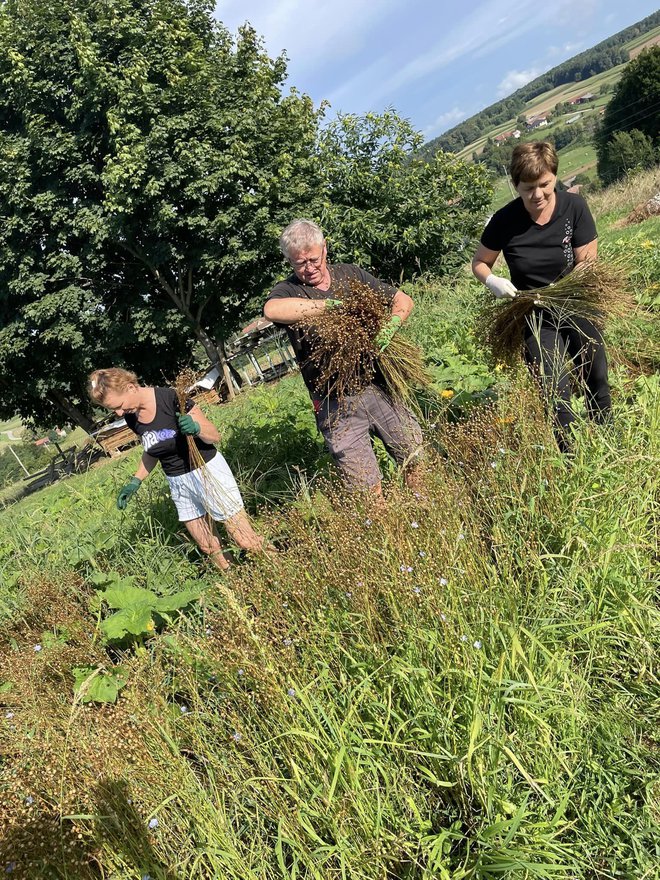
{"x": 540, "y": 255}
{"x": 163, "y": 440}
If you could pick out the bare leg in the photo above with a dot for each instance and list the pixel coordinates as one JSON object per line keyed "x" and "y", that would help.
{"x": 207, "y": 541}
{"x": 240, "y": 529}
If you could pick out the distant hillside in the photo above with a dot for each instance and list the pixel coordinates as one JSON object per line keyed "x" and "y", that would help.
{"x": 605, "y": 55}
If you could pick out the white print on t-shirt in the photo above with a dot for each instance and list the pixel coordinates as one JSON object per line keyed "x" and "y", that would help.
{"x": 150, "y": 438}
{"x": 566, "y": 243}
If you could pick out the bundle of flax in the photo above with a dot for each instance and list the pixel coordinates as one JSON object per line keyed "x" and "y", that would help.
{"x": 214, "y": 494}
{"x": 344, "y": 349}
{"x": 595, "y": 290}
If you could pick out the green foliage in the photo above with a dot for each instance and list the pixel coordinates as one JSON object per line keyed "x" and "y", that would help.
{"x": 625, "y": 152}
{"x": 629, "y": 135}
{"x": 136, "y": 610}
{"x": 147, "y": 163}
{"x": 94, "y": 685}
{"x": 389, "y": 209}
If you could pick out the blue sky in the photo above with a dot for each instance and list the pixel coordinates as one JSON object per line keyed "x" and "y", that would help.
{"x": 435, "y": 63}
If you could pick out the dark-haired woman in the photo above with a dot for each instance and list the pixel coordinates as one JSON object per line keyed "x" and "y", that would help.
{"x": 543, "y": 235}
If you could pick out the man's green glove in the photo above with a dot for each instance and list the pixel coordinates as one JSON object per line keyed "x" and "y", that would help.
{"x": 331, "y": 304}
{"x": 129, "y": 489}
{"x": 187, "y": 425}
{"x": 387, "y": 332}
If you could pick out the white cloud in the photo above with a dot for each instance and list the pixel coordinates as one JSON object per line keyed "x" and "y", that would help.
{"x": 486, "y": 28}
{"x": 444, "y": 121}
{"x": 516, "y": 79}
{"x": 311, "y": 33}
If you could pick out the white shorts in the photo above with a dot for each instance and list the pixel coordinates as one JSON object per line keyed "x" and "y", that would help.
{"x": 211, "y": 489}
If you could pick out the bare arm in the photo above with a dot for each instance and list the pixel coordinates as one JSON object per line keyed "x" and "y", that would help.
{"x": 290, "y": 309}
{"x": 207, "y": 430}
{"x": 147, "y": 464}
{"x": 402, "y": 305}
{"x": 587, "y": 253}
{"x": 483, "y": 262}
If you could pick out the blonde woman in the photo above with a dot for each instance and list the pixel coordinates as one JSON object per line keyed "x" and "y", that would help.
{"x": 153, "y": 414}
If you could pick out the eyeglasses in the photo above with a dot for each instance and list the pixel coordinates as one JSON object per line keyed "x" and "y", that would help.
{"x": 299, "y": 265}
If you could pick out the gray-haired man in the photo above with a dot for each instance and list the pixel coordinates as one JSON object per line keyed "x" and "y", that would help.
{"x": 315, "y": 286}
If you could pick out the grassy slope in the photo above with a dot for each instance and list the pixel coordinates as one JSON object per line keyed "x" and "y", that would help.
{"x": 462, "y": 687}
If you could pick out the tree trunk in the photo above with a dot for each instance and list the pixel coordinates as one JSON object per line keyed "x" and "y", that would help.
{"x": 181, "y": 298}
{"x": 73, "y": 414}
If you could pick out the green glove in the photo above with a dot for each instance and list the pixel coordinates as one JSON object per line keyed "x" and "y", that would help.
{"x": 331, "y": 304}
{"x": 187, "y": 425}
{"x": 129, "y": 489}
{"x": 387, "y": 332}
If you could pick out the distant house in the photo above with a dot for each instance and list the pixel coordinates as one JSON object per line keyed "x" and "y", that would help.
{"x": 506, "y": 136}
{"x": 536, "y": 122}
{"x": 583, "y": 99}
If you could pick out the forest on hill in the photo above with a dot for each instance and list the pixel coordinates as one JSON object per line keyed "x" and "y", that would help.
{"x": 601, "y": 57}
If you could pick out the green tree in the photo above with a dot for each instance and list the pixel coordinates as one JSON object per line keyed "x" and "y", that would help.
{"x": 389, "y": 208}
{"x": 147, "y": 162}
{"x": 634, "y": 105}
{"x": 625, "y": 151}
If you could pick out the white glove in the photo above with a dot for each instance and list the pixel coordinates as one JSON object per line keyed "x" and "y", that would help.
{"x": 500, "y": 287}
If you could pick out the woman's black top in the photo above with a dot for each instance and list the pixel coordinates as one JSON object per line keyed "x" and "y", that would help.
{"x": 540, "y": 255}
{"x": 163, "y": 440}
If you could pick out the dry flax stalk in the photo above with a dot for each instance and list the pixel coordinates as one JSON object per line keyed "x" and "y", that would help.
{"x": 344, "y": 349}
{"x": 596, "y": 290}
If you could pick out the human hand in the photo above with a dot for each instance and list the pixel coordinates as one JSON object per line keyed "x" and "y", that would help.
{"x": 127, "y": 492}
{"x": 187, "y": 425}
{"x": 331, "y": 304}
{"x": 502, "y": 288}
{"x": 387, "y": 332}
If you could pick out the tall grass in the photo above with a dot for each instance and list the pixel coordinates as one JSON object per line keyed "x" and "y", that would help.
{"x": 456, "y": 684}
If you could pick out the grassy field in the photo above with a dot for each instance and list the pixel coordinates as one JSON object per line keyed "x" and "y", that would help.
{"x": 546, "y": 102}
{"x": 460, "y": 684}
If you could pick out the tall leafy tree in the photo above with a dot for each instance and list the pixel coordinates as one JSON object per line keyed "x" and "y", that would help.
{"x": 634, "y": 107}
{"x": 390, "y": 208}
{"x": 147, "y": 161}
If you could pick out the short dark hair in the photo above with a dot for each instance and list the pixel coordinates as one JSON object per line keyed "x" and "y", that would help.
{"x": 532, "y": 160}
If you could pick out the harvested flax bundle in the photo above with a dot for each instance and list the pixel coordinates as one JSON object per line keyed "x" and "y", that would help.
{"x": 347, "y": 355}
{"x": 595, "y": 290}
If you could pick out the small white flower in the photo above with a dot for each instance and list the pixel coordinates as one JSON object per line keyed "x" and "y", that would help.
{"x": 477, "y": 645}
{"x": 291, "y": 692}
{"x": 493, "y": 464}
{"x": 414, "y": 525}
{"x": 287, "y": 642}
{"x": 367, "y": 522}
{"x": 443, "y": 617}
{"x": 9, "y": 715}
{"x": 417, "y": 590}
{"x": 241, "y": 672}
{"x": 183, "y": 709}
{"x": 29, "y": 800}
{"x": 461, "y": 536}
{"x": 422, "y": 554}
{"x": 37, "y": 648}
{"x": 502, "y": 450}
{"x": 443, "y": 582}
{"x": 153, "y": 823}
{"x": 464, "y": 638}
{"x": 236, "y": 736}
{"x": 349, "y": 595}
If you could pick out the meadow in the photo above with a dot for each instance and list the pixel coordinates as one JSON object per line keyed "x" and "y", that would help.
{"x": 461, "y": 683}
